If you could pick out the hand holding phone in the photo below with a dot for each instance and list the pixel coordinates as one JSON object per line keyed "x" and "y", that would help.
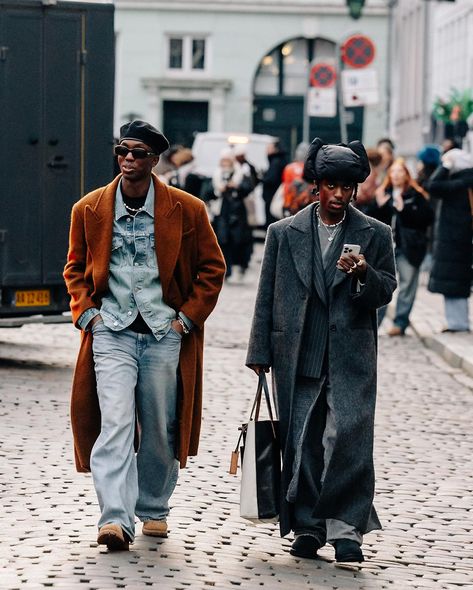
{"x": 351, "y": 261}
{"x": 351, "y": 249}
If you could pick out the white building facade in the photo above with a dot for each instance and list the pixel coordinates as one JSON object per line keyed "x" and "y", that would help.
{"x": 222, "y": 65}
{"x": 431, "y": 54}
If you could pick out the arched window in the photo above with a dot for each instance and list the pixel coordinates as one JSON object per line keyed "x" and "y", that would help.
{"x": 285, "y": 69}
{"x": 280, "y": 86}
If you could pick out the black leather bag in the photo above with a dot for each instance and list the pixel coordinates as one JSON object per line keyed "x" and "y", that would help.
{"x": 260, "y": 462}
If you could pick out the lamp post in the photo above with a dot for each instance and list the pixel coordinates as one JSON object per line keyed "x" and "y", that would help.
{"x": 355, "y": 7}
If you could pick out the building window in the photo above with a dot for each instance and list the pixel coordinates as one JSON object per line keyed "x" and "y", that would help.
{"x": 285, "y": 70}
{"x": 187, "y": 53}
{"x": 175, "y": 53}
{"x": 198, "y": 54}
{"x": 267, "y": 78}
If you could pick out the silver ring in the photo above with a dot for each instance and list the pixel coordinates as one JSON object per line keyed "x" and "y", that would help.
{"x": 349, "y": 271}
{"x": 360, "y": 263}
{"x": 354, "y": 265}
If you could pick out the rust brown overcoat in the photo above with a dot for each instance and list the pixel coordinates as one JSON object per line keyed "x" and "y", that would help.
{"x": 191, "y": 269}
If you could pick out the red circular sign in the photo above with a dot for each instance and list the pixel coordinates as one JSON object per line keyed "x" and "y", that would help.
{"x": 323, "y": 76}
{"x": 358, "y": 51}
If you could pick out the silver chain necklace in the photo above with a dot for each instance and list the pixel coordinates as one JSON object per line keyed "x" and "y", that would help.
{"x": 331, "y": 229}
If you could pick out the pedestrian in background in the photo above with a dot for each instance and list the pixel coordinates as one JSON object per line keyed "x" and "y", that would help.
{"x": 404, "y": 205}
{"x": 386, "y": 148}
{"x": 178, "y": 165}
{"x": 231, "y": 184}
{"x": 272, "y": 178}
{"x": 248, "y": 168}
{"x": 428, "y": 160}
{"x": 366, "y": 195}
{"x": 296, "y": 191}
{"x": 452, "y": 185}
{"x": 314, "y": 325}
{"x": 144, "y": 271}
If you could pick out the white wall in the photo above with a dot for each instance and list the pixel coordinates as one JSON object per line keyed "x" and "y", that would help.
{"x": 453, "y": 48}
{"x": 239, "y": 40}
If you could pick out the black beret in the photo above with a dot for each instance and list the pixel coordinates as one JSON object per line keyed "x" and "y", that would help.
{"x": 146, "y": 133}
{"x": 348, "y": 163}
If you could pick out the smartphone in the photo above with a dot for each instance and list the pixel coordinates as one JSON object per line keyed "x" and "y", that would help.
{"x": 351, "y": 249}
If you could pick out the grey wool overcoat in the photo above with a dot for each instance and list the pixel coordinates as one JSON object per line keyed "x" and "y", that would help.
{"x": 285, "y": 289}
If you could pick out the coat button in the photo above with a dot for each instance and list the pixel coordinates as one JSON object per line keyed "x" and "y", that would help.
{"x": 333, "y": 328}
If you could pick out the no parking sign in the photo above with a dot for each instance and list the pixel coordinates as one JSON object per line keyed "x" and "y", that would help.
{"x": 358, "y": 51}
{"x": 323, "y": 75}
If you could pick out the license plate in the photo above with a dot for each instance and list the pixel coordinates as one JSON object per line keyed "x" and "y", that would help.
{"x": 32, "y": 298}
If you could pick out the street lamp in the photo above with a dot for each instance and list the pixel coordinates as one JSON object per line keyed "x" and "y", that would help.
{"x": 355, "y": 7}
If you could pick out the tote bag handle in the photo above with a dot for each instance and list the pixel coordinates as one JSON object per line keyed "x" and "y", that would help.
{"x": 254, "y": 415}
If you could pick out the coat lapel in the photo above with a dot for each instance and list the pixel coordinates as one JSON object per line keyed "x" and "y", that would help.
{"x": 319, "y": 273}
{"x": 167, "y": 232}
{"x": 358, "y": 231}
{"x": 98, "y": 232}
{"x": 299, "y": 235}
{"x": 301, "y": 244}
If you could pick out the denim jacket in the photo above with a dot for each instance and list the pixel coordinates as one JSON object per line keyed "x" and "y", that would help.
{"x": 134, "y": 283}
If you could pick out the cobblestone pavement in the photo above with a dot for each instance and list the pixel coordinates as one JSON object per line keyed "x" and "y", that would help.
{"x": 424, "y": 451}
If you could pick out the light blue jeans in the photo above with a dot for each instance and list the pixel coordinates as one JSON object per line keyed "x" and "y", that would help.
{"x": 457, "y": 313}
{"x": 408, "y": 280}
{"x": 136, "y": 377}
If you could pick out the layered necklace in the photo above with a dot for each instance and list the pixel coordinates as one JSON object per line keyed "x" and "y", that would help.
{"x": 333, "y": 228}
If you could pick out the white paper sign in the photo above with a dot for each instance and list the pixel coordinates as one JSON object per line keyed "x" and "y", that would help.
{"x": 360, "y": 87}
{"x": 322, "y": 102}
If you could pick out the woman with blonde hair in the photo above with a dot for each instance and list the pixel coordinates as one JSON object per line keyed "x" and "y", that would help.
{"x": 404, "y": 205}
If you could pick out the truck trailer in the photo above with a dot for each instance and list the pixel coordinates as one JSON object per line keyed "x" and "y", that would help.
{"x": 56, "y": 128}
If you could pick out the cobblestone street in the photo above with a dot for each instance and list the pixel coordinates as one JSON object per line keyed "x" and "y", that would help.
{"x": 424, "y": 462}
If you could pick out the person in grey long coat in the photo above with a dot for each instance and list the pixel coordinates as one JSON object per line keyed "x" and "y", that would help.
{"x": 315, "y": 326}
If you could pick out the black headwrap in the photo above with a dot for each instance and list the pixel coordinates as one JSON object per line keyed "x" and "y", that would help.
{"x": 348, "y": 163}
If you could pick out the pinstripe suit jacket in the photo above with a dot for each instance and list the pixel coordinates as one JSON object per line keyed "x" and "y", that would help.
{"x": 315, "y": 334}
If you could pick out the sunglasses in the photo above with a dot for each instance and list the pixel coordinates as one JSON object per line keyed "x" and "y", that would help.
{"x": 137, "y": 153}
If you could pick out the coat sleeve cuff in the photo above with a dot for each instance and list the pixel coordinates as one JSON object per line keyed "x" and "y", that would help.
{"x": 86, "y": 317}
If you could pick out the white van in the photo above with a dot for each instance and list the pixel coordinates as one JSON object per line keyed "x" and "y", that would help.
{"x": 208, "y": 146}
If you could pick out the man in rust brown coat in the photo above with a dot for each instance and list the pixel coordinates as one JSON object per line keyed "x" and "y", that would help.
{"x": 144, "y": 271}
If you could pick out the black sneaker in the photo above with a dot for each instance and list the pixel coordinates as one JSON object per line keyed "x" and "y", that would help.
{"x": 306, "y": 546}
{"x": 347, "y": 550}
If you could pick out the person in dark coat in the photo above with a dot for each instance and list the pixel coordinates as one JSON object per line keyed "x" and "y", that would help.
{"x": 231, "y": 184}
{"x": 315, "y": 311}
{"x": 272, "y": 178}
{"x": 452, "y": 250}
{"x": 404, "y": 205}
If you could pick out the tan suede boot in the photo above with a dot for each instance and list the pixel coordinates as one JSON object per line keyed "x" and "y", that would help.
{"x": 113, "y": 536}
{"x": 155, "y": 528}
